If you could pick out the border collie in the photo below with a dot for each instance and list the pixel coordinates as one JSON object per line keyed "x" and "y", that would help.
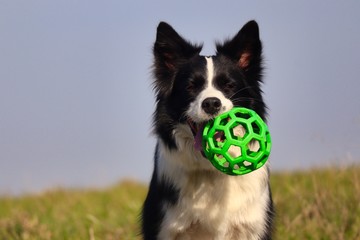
{"x": 188, "y": 198}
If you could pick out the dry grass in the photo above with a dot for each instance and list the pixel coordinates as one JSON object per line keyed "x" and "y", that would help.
{"x": 317, "y": 204}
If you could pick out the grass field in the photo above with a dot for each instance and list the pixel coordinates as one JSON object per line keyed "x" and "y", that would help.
{"x": 317, "y": 204}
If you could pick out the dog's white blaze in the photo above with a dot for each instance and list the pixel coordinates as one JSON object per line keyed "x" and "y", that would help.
{"x": 210, "y": 70}
{"x": 195, "y": 111}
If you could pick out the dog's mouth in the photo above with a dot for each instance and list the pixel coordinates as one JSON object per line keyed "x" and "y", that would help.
{"x": 197, "y": 130}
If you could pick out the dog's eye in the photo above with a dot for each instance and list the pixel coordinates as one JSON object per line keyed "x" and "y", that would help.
{"x": 195, "y": 84}
{"x": 225, "y": 84}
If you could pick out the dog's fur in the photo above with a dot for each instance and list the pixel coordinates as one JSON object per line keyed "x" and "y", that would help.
{"x": 188, "y": 198}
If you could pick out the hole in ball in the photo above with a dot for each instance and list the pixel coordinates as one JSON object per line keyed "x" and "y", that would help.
{"x": 239, "y": 131}
{"x": 255, "y": 127}
{"x": 242, "y": 115}
{"x": 254, "y": 146}
{"x": 246, "y": 163}
{"x": 219, "y": 156}
{"x": 224, "y": 121}
{"x": 219, "y": 139}
{"x": 234, "y": 151}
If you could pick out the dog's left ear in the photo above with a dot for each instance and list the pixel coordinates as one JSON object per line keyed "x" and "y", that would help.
{"x": 245, "y": 48}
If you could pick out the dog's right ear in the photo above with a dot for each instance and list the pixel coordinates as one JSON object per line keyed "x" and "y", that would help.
{"x": 170, "y": 50}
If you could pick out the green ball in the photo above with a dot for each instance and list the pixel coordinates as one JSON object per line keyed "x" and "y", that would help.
{"x": 237, "y": 142}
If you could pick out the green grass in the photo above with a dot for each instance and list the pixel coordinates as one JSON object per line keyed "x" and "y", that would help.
{"x": 317, "y": 204}
{"x": 74, "y": 214}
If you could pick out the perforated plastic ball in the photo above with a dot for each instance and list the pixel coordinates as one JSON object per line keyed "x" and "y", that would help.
{"x": 237, "y": 142}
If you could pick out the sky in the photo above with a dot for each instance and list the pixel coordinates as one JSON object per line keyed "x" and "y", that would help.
{"x": 76, "y": 99}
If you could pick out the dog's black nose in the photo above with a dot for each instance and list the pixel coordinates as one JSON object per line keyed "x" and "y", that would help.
{"x": 211, "y": 105}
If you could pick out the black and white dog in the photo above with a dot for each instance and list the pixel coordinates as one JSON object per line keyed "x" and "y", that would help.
{"x": 188, "y": 198}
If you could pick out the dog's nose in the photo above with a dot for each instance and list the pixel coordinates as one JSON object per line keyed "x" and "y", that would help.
{"x": 211, "y": 105}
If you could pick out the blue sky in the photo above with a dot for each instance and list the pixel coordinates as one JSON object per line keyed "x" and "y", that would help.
{"x": 76, "y": 97}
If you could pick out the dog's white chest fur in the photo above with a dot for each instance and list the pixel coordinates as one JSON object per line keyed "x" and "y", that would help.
{"x": 211, "y": 205}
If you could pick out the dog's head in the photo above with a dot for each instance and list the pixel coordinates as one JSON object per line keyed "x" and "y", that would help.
{"x": 192, "y": 89}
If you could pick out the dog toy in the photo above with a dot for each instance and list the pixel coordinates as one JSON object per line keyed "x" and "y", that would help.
{"x": 237, "y": 142}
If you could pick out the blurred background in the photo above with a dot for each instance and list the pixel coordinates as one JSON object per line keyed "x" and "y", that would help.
{"x": 76, "y": 97}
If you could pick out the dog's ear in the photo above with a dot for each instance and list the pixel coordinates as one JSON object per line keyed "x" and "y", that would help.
{"x": 245, "y": 48}
{"x": 170, "y": 50}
